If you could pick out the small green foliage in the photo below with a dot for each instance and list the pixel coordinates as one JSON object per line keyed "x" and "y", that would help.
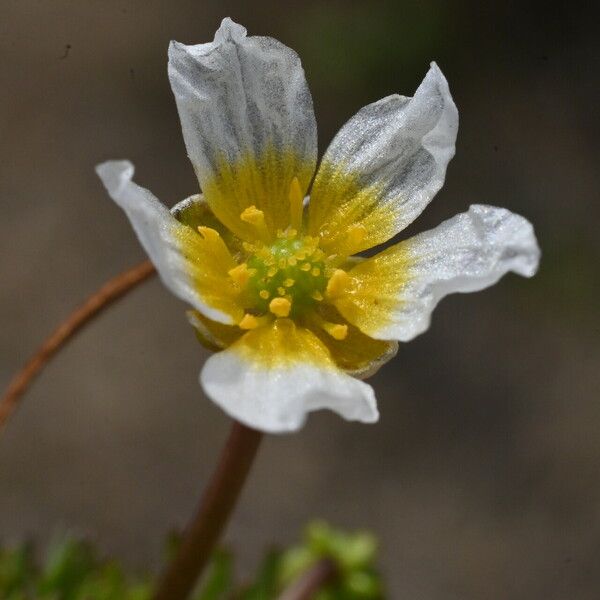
{"x": 266, "y": 585}
{"x": 353, "y": 553}
{"x": 219, "y": 579}
{"x": 72, "y": 570}
{"x": 16, "y": 568}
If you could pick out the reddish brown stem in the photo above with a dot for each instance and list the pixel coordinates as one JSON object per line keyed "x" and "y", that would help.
{"x": 111, "y": 291}
{"x": 316, "y": 578}
{"x": 212, "y": 515}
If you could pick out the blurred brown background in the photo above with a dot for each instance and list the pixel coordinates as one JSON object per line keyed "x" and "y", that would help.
{"x": 481, "y": 479}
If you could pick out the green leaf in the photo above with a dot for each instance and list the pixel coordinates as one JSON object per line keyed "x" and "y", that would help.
{"x": 267, "y": 580}
{"x": 68, "y": 564}
{"x": 219, "y": 578}
{"x": 16, "y": 570}
{"x": 295, "y": 562}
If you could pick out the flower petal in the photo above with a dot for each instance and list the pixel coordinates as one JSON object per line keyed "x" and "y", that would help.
{"x": 384, "y": 166}
{"x": 248, "y": 123}
{"x": 186, "y": 262}
{"x": 271, "y": 378}
{"x": 392, "y": 295}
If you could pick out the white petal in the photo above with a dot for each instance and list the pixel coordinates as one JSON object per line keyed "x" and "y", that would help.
{"x": 275, "y": 395}
{"x": 240, "y": 97}
{"x": 157, "y": 231}
{"x": 386, "y": 163}
{"x": 398, "y": 289}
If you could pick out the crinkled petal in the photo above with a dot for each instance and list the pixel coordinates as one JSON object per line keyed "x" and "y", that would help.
{"x": 186, "y": 263}
{"x": 384, "y": 167}
{"x": 272, "y": 377}
{"x": 392, "y": 295}
{"x": 248, "y": 123}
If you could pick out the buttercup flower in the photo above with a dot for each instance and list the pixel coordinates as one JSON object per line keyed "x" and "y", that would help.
{"x": 276, "y": 286}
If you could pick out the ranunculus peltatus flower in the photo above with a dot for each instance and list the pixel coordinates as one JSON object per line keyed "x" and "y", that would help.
{"x": 274, "y": 278}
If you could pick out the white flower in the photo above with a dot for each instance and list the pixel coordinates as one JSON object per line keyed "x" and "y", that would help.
{"x": 273, "y": 280}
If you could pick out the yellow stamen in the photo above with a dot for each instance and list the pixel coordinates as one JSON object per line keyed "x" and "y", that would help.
{"x": 217, "y": 247}
{"x": 296, "y": 203}
{"x": 281, "y": 291}
{"x": 282, "y": 263}
{"x": 305, "y": 267}
{"x": 316, "y": 295}
{"x": 253, "y": 215}
{"x": 248, "y": 322}
{"x": 337, "y": 284}
{"x": 318, "y": 254}
{"x": 208, "y": 233}
{"x": 264, "y": 294}
{"x": 292, "y": 261}
{"x": 252, "y": 322}
{"x": 316, "y": 272}
{"x": 272, "y": 271}
{"x": 289, "y": 282}
{"x": 240, "y": 274}
{"x": 256, "y": 217}
{"x": 280, "y": 307}
{"x": 335, "y": 330}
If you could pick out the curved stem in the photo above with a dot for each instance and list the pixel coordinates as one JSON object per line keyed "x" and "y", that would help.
{"x": 111, "y": 291}
{"x": 212, "y": 515}
{"x": 307, "y": 585}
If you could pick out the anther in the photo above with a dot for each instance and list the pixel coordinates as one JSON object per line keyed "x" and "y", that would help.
{"x": 217, "y": 246}
{"x": 252, "y": 215}
{"x": 289, "y": 282}
{"x": 272, "y": 271}
{"x": 248, "y": 322}
{"x": 337, "y": 284}
{"x": 208, "y": 233}
{"x": 256, "y": 217}
{"x": 305, "y": 267}
{"x": 280, "y": 307}
{"x": 315, "y": 272}
{"x": 281, "y": 291}
{"x": 264, "y": 294}
{"x": 335, "y": 330}
{"x": 240, "y": 274}
{"x": 316, "y": 295}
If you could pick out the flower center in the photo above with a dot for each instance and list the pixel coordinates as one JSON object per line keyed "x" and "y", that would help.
{"x": 287, "y": 276}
